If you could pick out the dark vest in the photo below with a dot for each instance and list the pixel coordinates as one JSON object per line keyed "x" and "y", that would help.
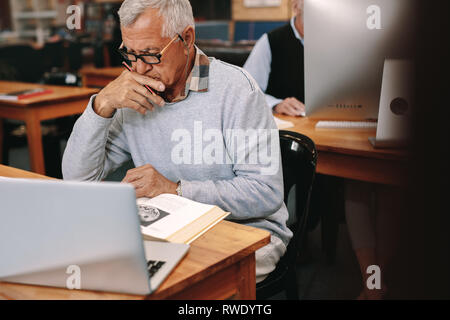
{"x": 286, "y": 77}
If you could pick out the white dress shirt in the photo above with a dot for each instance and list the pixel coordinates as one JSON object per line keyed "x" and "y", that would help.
{"x": 259, "y": 61}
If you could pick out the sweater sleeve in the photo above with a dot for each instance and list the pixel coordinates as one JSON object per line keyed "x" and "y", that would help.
{"x": 250, "y": 135}
{"x": 96, "y": 147}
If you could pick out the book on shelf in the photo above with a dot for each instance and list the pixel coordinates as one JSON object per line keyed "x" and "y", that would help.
{"x": 171, "y": 218}
{"x": 24, "y": 94}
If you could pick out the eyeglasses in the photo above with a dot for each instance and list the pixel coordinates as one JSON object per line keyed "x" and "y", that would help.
{"x": 148, "y": 58}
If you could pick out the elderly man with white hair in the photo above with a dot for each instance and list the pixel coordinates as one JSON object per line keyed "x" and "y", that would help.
{"x": 180, "y": 116}
{"x": 276, "y": 63}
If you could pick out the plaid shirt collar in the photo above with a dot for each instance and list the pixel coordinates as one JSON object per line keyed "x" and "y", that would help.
{"x": 198, "y": 78}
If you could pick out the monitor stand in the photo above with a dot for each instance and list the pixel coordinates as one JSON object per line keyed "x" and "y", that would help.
{"x": 395, "y": 110}
{"x": 388, "y": 144}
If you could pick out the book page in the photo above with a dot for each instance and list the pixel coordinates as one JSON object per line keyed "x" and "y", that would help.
{"x": 165, "y": 214}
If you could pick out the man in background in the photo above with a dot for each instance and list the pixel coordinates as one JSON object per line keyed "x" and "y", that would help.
{"x": 276, "y": 63}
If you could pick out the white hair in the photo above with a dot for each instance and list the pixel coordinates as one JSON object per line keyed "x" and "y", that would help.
{"x": 177, "y": 14}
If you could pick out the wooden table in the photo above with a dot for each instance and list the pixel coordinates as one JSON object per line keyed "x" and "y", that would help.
{"x": 99, "y": 77}
{"x": 219, "y": 265}
{"x": 347, "y": 153}
{"x": 63, "y": 101}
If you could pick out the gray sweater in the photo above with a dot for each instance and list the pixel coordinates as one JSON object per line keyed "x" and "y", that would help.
{"x": 197, "y": 141}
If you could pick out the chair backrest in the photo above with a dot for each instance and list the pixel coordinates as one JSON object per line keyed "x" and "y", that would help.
{"x": 53, "y": 55}
{"x": 236, "y": 56}
{"x": 299, "y": 159}
{"x": 23, "y": 61}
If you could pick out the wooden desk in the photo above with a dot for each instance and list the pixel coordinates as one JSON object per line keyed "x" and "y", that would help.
{"x": 64, "y": 101}
{"x": 99, "y": 77}
{"x": 347, "y": 153}
{"x": 219, "y": 265}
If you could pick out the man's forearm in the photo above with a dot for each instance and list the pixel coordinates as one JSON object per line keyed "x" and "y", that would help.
{"x": 85, "y": 157}
{"x": 272, "y": 101}
{"x": 245, "y": 198}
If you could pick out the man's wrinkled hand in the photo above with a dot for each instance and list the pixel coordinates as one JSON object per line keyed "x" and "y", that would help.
{"x": 148, "y": 182}
{"x": 128, "y": 91}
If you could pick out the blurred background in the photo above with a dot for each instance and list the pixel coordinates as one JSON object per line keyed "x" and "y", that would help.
{"x": 37, "y": 46}
{"x": 37, "y": 29}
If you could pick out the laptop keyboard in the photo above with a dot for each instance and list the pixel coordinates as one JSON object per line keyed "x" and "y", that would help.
{"x": 153, "y": 266}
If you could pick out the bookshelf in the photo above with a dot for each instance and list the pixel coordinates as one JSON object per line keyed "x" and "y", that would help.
{"x": 240, "y": 12}
{"x": 33, "y": 19}
{"x": 244, "y": 21}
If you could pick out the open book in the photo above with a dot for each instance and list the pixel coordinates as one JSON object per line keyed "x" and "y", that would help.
{"x": 171, "y": 218}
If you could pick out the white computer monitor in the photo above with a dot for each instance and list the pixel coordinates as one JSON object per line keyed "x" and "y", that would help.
{"x": 346, "y": 44}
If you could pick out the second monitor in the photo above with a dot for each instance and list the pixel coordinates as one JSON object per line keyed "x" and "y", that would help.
{"x": 346, "y": 44}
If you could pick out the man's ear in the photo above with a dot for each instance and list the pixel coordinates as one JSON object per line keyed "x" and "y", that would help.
{"x": 296, "y": 7}
{"x": 189, "y": 38}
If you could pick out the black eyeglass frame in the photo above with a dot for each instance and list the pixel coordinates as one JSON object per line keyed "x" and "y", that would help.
{"x": 158, "y": 55}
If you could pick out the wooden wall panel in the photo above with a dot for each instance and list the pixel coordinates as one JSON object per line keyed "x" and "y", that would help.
{"x": 241, "y": 13}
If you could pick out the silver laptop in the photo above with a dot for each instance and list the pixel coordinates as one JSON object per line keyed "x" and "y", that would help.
{"x": 79, "y": 235}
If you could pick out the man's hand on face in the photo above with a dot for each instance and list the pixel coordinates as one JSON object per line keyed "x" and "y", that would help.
{"x": 128, "y": 91}
{"x": 290, "y": 107}
{"x": 148, "y": 182}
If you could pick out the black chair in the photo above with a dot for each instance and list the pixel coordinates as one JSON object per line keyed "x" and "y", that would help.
{"x": 75, "y": 56}
{"x": 24, "y": 60}
{"x": 53, "y": 55}
{"x": 234, "y": 56}
{"x": 299, "y": 159}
